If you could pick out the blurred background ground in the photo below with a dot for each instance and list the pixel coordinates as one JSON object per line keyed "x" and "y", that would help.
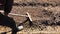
{"x": 39, "y": 14}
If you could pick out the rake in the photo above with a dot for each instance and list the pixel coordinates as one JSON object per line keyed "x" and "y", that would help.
{"x": 28, "y": 16}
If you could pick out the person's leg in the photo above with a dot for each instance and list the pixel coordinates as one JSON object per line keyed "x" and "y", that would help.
{"x": 13, "y": 26}
{"x": 8, "y": 6}
{"x": 14, "y": 31}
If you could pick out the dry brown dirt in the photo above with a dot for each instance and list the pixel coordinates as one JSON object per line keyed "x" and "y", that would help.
{"x": 40, "y": 14}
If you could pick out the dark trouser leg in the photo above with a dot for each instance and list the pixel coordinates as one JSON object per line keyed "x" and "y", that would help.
{"x": 14, "y": 28}
{"x": 8, "y": 7}
{"x": 14, "y": 31}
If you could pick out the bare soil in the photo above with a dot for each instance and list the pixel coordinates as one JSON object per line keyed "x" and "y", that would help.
{"x": 45, "y": 18}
